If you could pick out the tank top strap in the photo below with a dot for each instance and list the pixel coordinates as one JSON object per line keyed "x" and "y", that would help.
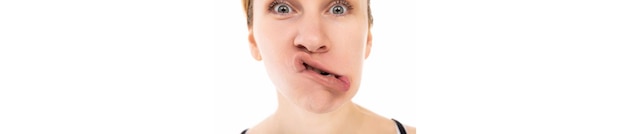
{"x": 400, "y": 127}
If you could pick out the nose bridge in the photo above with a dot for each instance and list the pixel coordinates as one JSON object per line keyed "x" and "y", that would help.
{"x": 311, "y": 33}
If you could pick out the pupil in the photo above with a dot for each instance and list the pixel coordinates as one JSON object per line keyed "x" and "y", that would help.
{"x": 282, "y": 9}
{"x": 338, "y": 10}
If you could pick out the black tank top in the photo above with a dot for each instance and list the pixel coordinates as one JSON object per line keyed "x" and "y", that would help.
{"x": 398, "y": 124}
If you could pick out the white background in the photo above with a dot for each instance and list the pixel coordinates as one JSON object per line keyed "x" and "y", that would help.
{"x": 105, "y": 67}
{"x": 132, "y": 66}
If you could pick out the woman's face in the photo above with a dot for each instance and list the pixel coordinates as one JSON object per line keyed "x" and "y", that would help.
{"x": 313, "y": 50}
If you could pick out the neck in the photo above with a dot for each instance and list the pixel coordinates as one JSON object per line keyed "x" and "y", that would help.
{"x": 293, "y": 119}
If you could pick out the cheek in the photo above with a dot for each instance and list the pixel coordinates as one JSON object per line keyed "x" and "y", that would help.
{"x": 274, "y": 46}
{"x": 273, "y": 39}
{"x": 349, "y": 42}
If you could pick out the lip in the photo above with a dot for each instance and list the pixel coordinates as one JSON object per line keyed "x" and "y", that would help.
{"x": 341, "y": 83}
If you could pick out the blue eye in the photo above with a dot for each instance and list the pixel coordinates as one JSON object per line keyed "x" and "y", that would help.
{"x": 282, "y": 9}
{"x": 338, "y": 10}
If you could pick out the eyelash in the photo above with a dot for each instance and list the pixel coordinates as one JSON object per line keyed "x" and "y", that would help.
{"x": 342, "y": 3}
{"x": 335, "y": 3}
{"x": 275, "y": 3}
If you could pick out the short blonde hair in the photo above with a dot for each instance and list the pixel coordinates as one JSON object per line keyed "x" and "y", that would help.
{"x": 247, "y": 7}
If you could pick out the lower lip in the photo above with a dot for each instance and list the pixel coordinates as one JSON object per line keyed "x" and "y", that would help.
{"x": 340, "y": 84}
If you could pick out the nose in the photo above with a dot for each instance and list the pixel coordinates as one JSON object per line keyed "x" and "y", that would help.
{"x": 311, "y": 36}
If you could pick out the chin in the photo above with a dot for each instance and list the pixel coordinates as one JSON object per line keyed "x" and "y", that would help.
{"x": 322, "y": 103}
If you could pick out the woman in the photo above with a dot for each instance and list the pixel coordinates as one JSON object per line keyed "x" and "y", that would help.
{"x": 313, "y": 51}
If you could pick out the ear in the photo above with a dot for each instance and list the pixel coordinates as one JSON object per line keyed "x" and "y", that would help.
{"x": 368, "y": 46}
{"x": 254, "y": 49}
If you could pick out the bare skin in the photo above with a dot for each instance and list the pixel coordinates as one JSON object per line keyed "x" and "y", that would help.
{"x": 350, "y": 119}
{"x": 294, "y": 38}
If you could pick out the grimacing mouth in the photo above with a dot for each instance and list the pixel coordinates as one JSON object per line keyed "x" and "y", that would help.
{"x": 318, "y": 71}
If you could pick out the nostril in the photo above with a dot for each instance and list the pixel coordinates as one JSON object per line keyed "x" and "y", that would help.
{"x": 301, "y": 47}
{"x": 315, "y": 49}
{"x": 322, "y": 49}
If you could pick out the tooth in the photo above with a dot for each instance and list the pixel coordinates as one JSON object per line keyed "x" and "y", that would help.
{"x": 317, "y": 70}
